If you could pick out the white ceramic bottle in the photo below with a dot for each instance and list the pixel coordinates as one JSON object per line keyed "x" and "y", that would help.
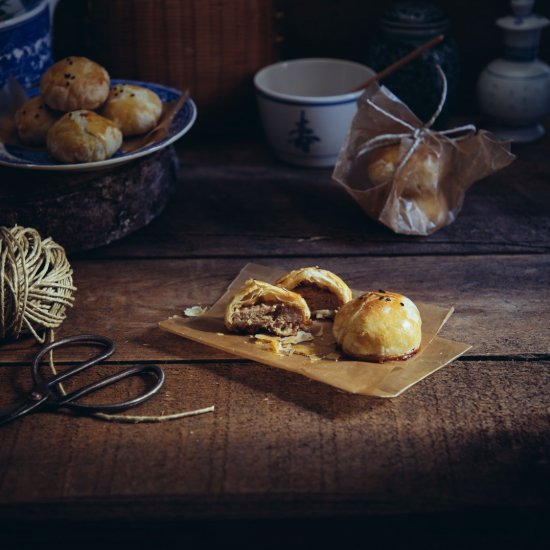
{"x": 514, "y": 91}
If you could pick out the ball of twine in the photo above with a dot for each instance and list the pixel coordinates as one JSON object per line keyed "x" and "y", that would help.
{"x": 36, "y": 283}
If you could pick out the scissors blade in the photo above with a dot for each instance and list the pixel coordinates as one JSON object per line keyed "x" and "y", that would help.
{"x": 36, "y": 398}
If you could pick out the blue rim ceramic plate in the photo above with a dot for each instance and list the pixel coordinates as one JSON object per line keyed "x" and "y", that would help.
{"x": 16, "y": 157}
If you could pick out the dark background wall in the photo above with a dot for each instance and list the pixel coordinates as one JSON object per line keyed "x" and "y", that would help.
{"x": 213, "y": 47}
{"x": 344, "y": 28}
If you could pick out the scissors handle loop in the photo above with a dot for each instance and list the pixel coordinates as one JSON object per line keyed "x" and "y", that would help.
{"x": 92, "y": 339}
{"x": 59, "y": 399}
{"x": 68, "y": 399}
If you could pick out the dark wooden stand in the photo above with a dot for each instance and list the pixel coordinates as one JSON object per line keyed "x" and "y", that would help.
{"x": 85, "y": 210}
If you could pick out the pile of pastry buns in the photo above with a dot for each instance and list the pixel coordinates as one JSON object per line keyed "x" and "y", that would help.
{"x": 79, "y": 117}
{"x": 376, "y": 326}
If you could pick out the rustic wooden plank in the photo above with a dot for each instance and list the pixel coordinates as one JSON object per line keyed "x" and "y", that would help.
{"x": 222, "y": 209}
{"x": 278, "y": 444}
{"x": 213, "y": 214}
{"x": 501, "y": 301}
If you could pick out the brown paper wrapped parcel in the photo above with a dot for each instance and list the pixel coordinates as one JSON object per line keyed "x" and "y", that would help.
{"x": 418, "y": 185}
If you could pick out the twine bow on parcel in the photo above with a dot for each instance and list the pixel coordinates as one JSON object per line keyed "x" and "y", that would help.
{"x": 417, "y": 135}
{"x": 415, "y": 178}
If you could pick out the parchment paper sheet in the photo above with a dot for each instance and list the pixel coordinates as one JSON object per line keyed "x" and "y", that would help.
{"x": 360, "y": 377}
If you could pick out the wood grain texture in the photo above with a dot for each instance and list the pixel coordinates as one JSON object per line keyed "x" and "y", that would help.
{"x": 277, "y": 445}
{"x": 222, "y": 210}
{"x": 85, "y": 210}
{"x": 471, "y": 439}
{"x": 501, "y": 302}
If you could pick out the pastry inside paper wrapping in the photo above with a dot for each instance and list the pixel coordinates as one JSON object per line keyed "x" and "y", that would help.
{"x": 323, "y": 290}
{"x": 316, "y": 354}
{"x": 418, "y": 193}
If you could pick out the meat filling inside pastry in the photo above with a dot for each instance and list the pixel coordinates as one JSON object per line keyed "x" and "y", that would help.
{"x": 262, "y": 307}
{"x": 323, "y": 291}
{"x": 379, "y": 326}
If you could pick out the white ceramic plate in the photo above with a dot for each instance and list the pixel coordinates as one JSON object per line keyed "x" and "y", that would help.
{"x": 16, "y": 157}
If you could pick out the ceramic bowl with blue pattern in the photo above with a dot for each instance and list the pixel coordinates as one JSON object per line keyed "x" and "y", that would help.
{"x": 307, "y": 105}
{"x": 25, "y": 41}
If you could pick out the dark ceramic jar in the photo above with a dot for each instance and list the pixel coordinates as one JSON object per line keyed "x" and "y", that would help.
{"x": 403, "y": 27}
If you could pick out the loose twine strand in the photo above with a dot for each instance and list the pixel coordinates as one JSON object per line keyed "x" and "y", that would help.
{"x": 418, "y": 135}
{"x": 36, "y": 287}
{"x": 127, "y": 418}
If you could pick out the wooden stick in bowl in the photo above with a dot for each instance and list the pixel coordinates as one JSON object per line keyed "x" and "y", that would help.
{"x": 400, "y": 62}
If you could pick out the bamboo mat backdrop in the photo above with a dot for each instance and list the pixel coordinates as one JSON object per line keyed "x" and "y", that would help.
{"x": 212, "y": 48}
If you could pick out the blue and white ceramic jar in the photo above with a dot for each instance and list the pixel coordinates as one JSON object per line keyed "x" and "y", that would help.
{"x": 404, "y": 26}
{"x": 25, "y": 40}
{"x": 514, "y": 91}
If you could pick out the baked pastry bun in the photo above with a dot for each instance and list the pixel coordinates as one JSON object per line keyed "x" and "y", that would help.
{"x": 421, "y": 176}
{"x": 262, "y": 307}
{"x": 382, "y": 164}
{"x": 33, "y": 120}
{"x": 323, "y": 291}
{"x": 134, "y": 109}
{"x": 378, "y": 326}
{"x": 75, "y": 83}
{"x": 83, "y": 136}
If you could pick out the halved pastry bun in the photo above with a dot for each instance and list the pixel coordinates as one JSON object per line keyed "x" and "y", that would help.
{"x": 379, "y": 326}
{"x": 261, "y": 307}
{"x": 323, "y": 291}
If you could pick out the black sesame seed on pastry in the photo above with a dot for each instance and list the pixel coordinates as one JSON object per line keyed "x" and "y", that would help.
{"x": 261, "y": 307}
{"x": 134, "y": 109}
{"x": 75, "y": 83}
{"x": 33, "y": 120}
{"x": 378, "y": 326}
{"x": 323, "y": 291}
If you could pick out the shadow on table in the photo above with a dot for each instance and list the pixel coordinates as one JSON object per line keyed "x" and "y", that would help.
{"x": 299, "y": 390}
{"x": 480, "y": 529}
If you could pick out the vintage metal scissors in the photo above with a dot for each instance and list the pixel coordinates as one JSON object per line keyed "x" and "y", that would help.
{"x": 46, "y": 393}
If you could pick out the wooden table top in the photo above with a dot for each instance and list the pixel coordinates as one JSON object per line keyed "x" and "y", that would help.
{"x": 471, "y": 438}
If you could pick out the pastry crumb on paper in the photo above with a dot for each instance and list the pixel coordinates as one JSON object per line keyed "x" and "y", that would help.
{"x": 322, "y": 314}
{"x": 195, "y": 311}
{"x": 282, "y": 345}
